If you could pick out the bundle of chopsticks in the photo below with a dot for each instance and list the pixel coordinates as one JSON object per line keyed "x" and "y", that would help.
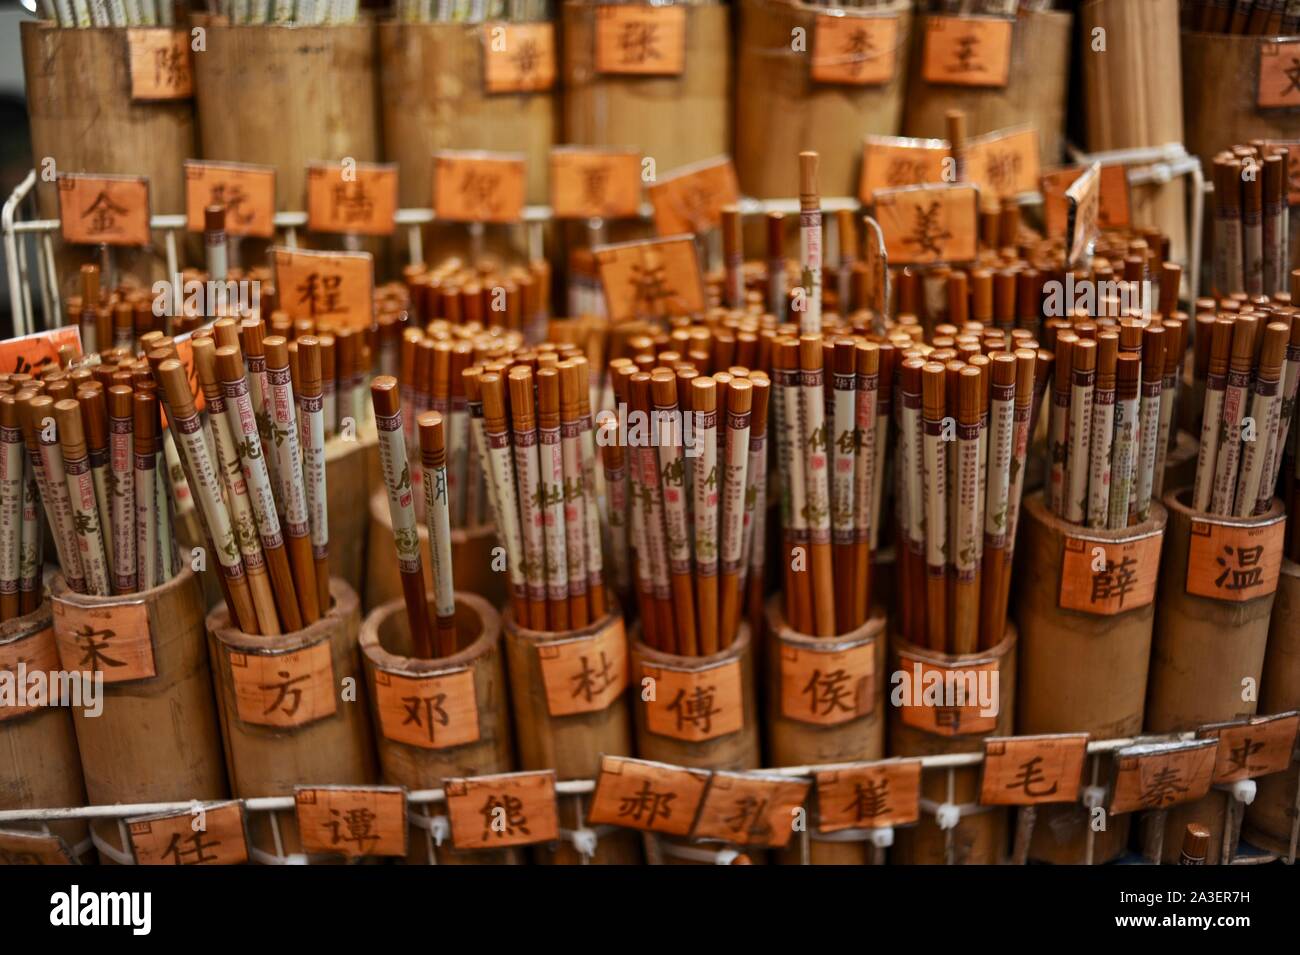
{"x": 486, "y": 293}
{"x": 109, "y": 13}
{"x": 120, "y": 317}
{"x": 1002, "y": 8}
{"x": 473, "y": 11}
{"x": 1252, "y": 220}
{"x": 1242, "y": 17}
{"x": 289, "y": 12}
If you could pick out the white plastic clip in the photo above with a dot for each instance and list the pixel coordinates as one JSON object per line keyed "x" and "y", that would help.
{"x": 584, "y": 840}
{"x": 947, "y": 815}
{"x": 883, "y": 837}
{"x": 1243, "y": 790}
{"x": 440, "y": 829}
{"x": 1094, "y": 796}
{"x": 726, "y": 857}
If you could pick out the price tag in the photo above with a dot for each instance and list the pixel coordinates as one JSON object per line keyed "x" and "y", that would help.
{"x": 114, "y": 641}
{"x": 518, "y": 57}
{"x": 641, "y": 40}
{"x": 359, "y": 199}
{"x": 1004, "y": 164}
{"x": 750, "y": 809}
{"x": 585, "y": 675}
{"x": 32, "y": 354}
{"x": 352, "y": 820}
{"x": 639, "y": 794}
{"x": 1160, "y": 775}
{"x": 104, "y": 210}
{"x": 692, "y": 198}
{"x": 1083, "y": 199}
{"x": 694, "y": 705}
{"x": 1109, "y": 577}
{"x": 284, "y": 689}
{"x": 32, "y": 653}
{"x": 511, "y": 809}
{"x": 828, "y": 687}
{"x": 928, "y": 224}
{"x": 949, "y": 700}
{"x": 1279, "y": 75}
{"x": 1235, "y": 562}
{"x": 967, "y": 51}
{"x": 869, "y": 795}
{"x": 853, "y": 50}
{"x": 1028, "y": 770}
{"x": 892, "y": 161}
{"x": 434, "y": 711}
{"x": 160, "y": 64}
{"x": 1259, "y": 746}
{"x": 247, "y": 192}
{"x": 655, "y": 278}
{"x": 214, "y": 835}
{"x": 1113, "y": 209}
{"x": 589, "y": 183}
{"x": 333, "y": 289}
{"x": 33, "y": 848}
{"x": 478, "y": 186}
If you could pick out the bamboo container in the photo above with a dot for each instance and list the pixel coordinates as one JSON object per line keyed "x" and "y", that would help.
{"x": 777, "y": 100}
{"x": 348, "y": 481}
{"x": 158, "y": 738}
{"x": 189, "y": 535}
{"x": 806, "y": 729}
{"x": 980, "y": 836}
{"x": 473, "y": 683}
{"x": 567, "y": 715}
{"x": 1180, "y": 464}
{"x": 39, "y": 763}
{"x": 274, "y": 743}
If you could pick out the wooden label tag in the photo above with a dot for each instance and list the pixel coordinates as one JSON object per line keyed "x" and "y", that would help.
{"x": 1083, "y": 205}
{"x": 1109, "y": 577}
{"x": 929, "y": 223}
{"x": 948, "y": 701}
{"x": 1160, "y": 775}
{"x": 518, "y": 57}
{"x": 869, "y": 795}
{"x": 854, "y": 50}
{"x": 589, "y": 183}
{"x": 1233, "y": 561}
{"x": 691, "y": 199}
{"x": 1113, "y": 207}
{"x": 750, "y": 809}
{"x": 967, "y": 51}
{"x": 478, "y": 186}
{"x": 889, "y": 162}
{"x": 655, "y": 278}
{"x": 510, "y": 809}
{"x": 33, "y": 653}
{"x": 1004, "y": 164}
{"x": 1279, "y": 75}
{"x": 33, "y": 848}
{"x": 333, "y": 289}
{"x": 360, "y": 199}
{"x": 284, "y": 689}
{"x": 32, "y": 354}
{"x": 160, "y": 64}
{"x": 247, "y": 192}
{"x": 114, "y": 640}
{"x": 1260, "y": 746}
{"x": 695, "y": 705}
{"x": 641, "y": 40}
{"x": 1027, "y": 770}
{"x": 585, "y": 675}
{"x": 437, "y": 711}
{"x": 104, "y": 210}
{"x": 352, "y": 820}
{"x": 639, "y": 794}
{"x": 212, "y": 836}
{"x": 828, "y": 687}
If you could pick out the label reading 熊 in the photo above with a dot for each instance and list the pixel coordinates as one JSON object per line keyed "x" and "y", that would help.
{"x": 437, "y": 711}
{"x": 827, "y": 687}
{"x": 510, "y": 809}
{"x": 1027, "y": 770}
{"x": 694, "y": 705}
{"x": 213, "y": 836}
{"x": 854, "y": 51}
{"x": 639, "y": 794}
{"x": 284, "y": 689}
{"x": 967, "y": 51}
{"x": 114, "y": 641}
{"x": 869, "y": 795}
{"x": 1109, "y": 577}
{"x": 1235, "y": 562}
{"x": 584, "y": 675}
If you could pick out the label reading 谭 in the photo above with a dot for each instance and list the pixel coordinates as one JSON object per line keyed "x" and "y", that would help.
{"x": 750, "y": 809}
{"x": 928, "y": 223}
{"x": 641, "y": 40}
{"x": 694, "y": 705}
{"x": 967, "y": 51}
{"x": 510, "y": 809}
{"x": 114, "y": 640}
{"x": 104, "y": 210}
{"x": 354, "y": 821}
{"x": 1109, "y": 577}
{"x": 436, "y": 711}
{"x": 358, "y": 199}
{"x": 284, "y": 689}
{"x": 212, "y": 836}
{"x": 478, "y": 186}
{"x": 584, "y": 675}
{"x": 160, "y": 64}
{"x": 1235, "y": 562}
{"x": 1028, "y": 770}
{"x": 1160, "y": 775}
{"x": 518, "y": 57}
{"x": 869, "y": 795}
{"x": 333, "y": 289}
{"x": 853, "y": 50}
{"x": 247, "y": 192}
{"x": 828, "y": 687}
{"x": 35, "y": 652}
{"x": 639, "y": 794}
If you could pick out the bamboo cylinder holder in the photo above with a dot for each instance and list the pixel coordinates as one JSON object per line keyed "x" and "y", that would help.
{"x": 288, "y": 717}
{"x": 39, "y": 763}
{"x": 980, "y": 835}
{"x": 347, "y": 484}
{"x": 158, "y": 738}
{"x": 439, "y": 719}
{"x": 1180, "y": 463}
{"x": 569, "y": 696}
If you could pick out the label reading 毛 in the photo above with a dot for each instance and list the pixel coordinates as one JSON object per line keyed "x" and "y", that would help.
{"x": 639, "y": 794}
{"x": 828, "y": 687}
{"x": 1109, "y": 577}
{"x": 869, "y": 795}
{"x": 587, "y": 674}
{"x": 1235, "y": 562}
{"x": 212, "y": 835}
{"x": 1160, "y": 775}
{"x": 113, "y": 640}
{"x": 284, "y": 689}
{"x": 510, "y": 809}
{"x": 352, "y": 820}
{"x": 967, "y": 51}
{"x": 694, "y": 705}
{"x": 853, "y": 50}
{"x": 436, "y": 711}
{"x": 1028, "y": 770}
{"x": 104, "y": 210}
{"x": 750, "y": 809}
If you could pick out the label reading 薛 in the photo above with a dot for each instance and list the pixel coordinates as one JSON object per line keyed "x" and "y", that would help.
{"x": 1109, "y": 577}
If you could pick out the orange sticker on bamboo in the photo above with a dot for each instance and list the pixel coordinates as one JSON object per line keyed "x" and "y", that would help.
{"x": 585, "y": 675}
{"x": 433, "y": 711}
{"x": 284, "y": 689}
{"x": 333, "y": 289}
{"x": 352, "y": 820}
{"x": 1004, "y": 164}
{"x": 32, "y": 354}
{"x": 691, "y": 199}
{"x": 352, "y": 198}
{"x": 828, "y": 687}
{"x": 928, "y": 223}
{"x": 588, "y": 183}
{"x": 854, "y": 51}
{"x": 1160, "y": 775}
{"x": 1235, "y": 562}
{"x": 160, "y": 64}
{"x": 210, "y": 835}
{"x": 1259, "y": 746}
{"x": 247, "y": 192}
{"x": 967, "y": 51}
{"x": 23, "y": 687}
{"x": 641, "y": 40}
{"x": 510, "y": 809}
{"x": 33, "y": 848}
{"x": 1113, "y": 207}
{"x": 112, "y": 640}
{"x": 750, "y": 809}
{"x": 889, "y": 162}
{"x": 654, "y": 278}
{"x": 104, "y": 210}
{"x": 1279, "y": 75}
{"x": 869, "y": 795}
{"x": 478, "y": 186}
{"x": 1109, "y": 577}
{"x": 947, "y": 700}
{"x": 694, "y": 705}
{"x": 639, "y": 794}
{"x": 518, "y": 57}
{"x": 1028, "y": 770}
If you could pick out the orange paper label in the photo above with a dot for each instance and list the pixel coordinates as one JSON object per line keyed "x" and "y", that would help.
{"x": 928, "y": 224}
{"x": 828, "y": 687}
{"x": 161, "y": 67}
{"x": 518, "y": 57}
{"x": 1160, "y": 775}
{"x": 889, "y": 162}
{"x": 1233, "y": 561}
{"x": 213, "y": 836}
{"x": 31, "y": 654}
{"x": 1259, "y": 746}
{"x": 114, "y": 641}
{"x": 1279, "y": 75}
{"x": 284, "y": 689}
{"x": 32, "y": 354}
{"x": 595, "y": 183}
{"x": 437, "y": 711}
{"x": 967, "y": 51}
{"x": 855, "y": 51}
{"x": 104, "y": 210}
{"x": 1004, "y": 164}
{"x": 750, "y": 809}
{"x": 333, "y": 289}
{"x": 352, "y": 820}
{"x": 247, "y": 192}
{"x": 639, "y": 794}
{"x": 695, "y": 705}
{"x": 948, "y": 701}
{"x": 587, "y": 674}
{"x": 511, "y": 809}
{"x": 1027, "y": 770}
{"x": 360, "y": 199}
{"x": 869, "y": 795}
{"x": 655, "y": 278}
{"x": 33, "y": 848}
{"x": 692, "y": 199}
{"x": 1105, "y": 577}
{"x": 478, "y": 186}
{"x": 641, "y": 40}
{"x": 1113, "y": 209}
